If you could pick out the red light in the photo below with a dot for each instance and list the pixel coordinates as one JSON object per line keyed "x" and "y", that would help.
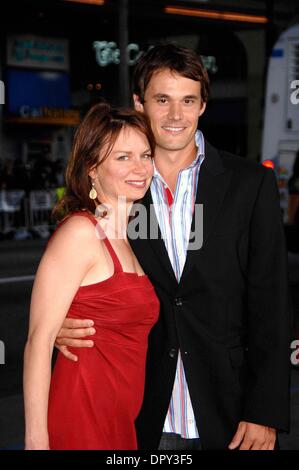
{"x": 268, "y": 164}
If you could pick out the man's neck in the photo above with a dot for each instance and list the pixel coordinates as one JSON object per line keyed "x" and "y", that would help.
{"x": 170, "y": 163}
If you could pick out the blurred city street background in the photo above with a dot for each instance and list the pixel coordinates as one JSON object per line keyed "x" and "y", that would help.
{"x": 53, "y": 68}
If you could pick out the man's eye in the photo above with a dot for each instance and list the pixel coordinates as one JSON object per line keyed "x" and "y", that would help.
{"x": 189, "y": 101}
{"x": 162, "y": 100}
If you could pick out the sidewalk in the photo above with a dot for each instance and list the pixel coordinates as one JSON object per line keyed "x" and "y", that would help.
{"x": 11, "y": 422}
{"x": 20, "y": 257}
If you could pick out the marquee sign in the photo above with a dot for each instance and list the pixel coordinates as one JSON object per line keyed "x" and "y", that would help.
{"x": 37, "y": 52}
{"x": 108, "y": 53}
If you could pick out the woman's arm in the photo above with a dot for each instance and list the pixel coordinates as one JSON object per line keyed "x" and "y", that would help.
{"x": 67, "y": 259}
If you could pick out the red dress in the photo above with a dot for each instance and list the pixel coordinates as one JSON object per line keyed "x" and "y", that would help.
{"x": 94, "y": 402}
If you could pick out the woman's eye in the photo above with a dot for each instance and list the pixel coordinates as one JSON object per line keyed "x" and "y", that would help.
{"x": 122, "y": 157}
{"x": 147, "y": 156}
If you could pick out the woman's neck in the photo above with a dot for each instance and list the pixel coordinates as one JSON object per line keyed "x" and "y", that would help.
{"x": 114, "y": 218}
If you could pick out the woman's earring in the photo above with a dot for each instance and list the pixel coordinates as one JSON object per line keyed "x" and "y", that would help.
{"x": 92, "y": 193}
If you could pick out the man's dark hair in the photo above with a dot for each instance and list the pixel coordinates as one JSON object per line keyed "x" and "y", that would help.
{"x": 178, "y": 59}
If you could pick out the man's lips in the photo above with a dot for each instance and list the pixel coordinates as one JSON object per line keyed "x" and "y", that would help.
{"x": 174, "y": 129}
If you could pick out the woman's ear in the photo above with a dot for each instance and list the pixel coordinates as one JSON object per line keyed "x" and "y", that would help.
{"x": 137, "y": 103}
{"x": 92, "y": 173}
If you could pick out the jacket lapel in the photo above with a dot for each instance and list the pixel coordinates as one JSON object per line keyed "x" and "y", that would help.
{"x": 213, "y": 183}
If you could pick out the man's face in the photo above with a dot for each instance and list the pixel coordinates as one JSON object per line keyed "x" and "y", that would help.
{"x": 173, "y": 103}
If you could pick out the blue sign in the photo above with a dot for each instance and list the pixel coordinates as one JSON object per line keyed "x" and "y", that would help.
{"x": 28, "y": 90}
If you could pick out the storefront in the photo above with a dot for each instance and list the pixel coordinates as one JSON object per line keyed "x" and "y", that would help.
{"x": 79, "y": 65}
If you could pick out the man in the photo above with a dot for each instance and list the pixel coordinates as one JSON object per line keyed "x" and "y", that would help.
{"x": 218, "y": 359}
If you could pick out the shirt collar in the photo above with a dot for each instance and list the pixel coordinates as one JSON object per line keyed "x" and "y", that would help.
{"x": 200, "y": 155}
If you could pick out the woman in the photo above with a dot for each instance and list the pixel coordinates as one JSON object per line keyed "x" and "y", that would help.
{"x": 89, "y": 269}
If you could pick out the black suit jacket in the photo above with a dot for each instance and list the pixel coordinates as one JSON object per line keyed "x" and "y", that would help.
{"x": 229, "y": 313}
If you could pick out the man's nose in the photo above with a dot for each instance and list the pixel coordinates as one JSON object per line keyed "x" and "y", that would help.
{"x": 175, "y": 111}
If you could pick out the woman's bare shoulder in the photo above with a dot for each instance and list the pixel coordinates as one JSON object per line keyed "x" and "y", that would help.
{"x": 75, "y": 230}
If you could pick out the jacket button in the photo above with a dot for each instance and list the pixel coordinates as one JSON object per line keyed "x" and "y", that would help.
{"x": 178, "y": 302}
{"x": 172, "y": 353}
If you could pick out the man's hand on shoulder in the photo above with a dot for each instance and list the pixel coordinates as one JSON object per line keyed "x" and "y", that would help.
{"x": 250, "y": 436}
{"x": 70, "y": 334}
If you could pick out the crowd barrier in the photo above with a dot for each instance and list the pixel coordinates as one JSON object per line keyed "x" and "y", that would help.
{"x": 22, "y": 212}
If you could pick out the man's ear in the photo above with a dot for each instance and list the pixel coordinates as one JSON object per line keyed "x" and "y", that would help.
{"x": 137, "y": 103}
{"x": 203, "y": 108}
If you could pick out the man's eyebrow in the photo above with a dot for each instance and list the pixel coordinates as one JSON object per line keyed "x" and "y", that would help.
{"x": 161, "y": 95}
{"x": 164, "y": 95}
{"x": 191, "y": 97}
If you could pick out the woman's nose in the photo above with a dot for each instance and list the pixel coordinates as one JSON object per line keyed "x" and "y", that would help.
{"x": 139, "y": 167}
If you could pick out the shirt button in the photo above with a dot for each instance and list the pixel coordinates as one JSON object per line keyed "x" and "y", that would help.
{"x": 178, "y": 302}
{"x": 172, "y": 353}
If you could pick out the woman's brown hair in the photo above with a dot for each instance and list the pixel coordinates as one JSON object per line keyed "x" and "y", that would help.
{"x": 100, "y": 127}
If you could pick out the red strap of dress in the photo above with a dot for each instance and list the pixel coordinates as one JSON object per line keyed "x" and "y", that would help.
{"x": 117, "y": 265}
{"x": 116, "y": 262}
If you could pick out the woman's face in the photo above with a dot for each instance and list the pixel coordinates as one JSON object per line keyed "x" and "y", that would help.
{"x": 128, "y": 169}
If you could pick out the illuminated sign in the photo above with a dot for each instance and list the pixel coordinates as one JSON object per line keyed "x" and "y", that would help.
{"x": 39, "y": 97}
{"x": 209, "y": 62}
{"x": 37, "y": 52}
{"x": 44, "y": 115}
{"x": 108, "y": 53}
{"x": 27, "y": 111}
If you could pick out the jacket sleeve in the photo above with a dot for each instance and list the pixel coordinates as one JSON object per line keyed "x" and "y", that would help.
{"x": 269, "y": 313}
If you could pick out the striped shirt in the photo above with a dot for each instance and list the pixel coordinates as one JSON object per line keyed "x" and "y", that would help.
{"x": 174, "y": 213}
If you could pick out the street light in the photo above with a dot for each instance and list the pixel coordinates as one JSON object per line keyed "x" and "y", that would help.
{"x": 88, "y": 2}
{"x": 216, "y": 15}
